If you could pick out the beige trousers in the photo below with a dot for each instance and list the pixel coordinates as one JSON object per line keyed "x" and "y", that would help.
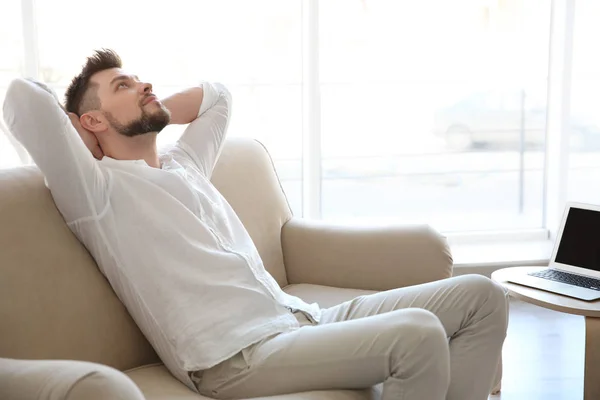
{"x": 435, "y": 341}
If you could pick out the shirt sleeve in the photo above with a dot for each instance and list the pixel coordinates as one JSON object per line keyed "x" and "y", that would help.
{"x": 203, "y": 138}
{"x": 75, "y": 179}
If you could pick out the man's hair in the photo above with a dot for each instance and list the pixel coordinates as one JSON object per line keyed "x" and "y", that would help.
{"x": 81, "y": 96}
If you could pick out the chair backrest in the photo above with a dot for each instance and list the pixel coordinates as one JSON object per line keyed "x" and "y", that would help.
{"x": 54, "y": 302}
{"x": 246, "y": 177}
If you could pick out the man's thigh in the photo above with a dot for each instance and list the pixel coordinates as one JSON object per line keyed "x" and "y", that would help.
{"x": 451, "y": 300}
{"x": 346, "y": 355}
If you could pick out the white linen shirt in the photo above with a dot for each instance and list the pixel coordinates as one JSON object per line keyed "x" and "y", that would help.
{"x": 170, "y": 245}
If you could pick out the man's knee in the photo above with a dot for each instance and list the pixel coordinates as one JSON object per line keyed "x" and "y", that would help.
{"x": 421, "y": 345}
{"x": 490, "y": 294}
{"x": 422, "y": 330}
{"x": 485, "y": 287}
{"x": 421, "y": 318}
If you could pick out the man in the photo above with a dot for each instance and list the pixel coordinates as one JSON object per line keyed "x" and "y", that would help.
{"x": 186, "y": 269}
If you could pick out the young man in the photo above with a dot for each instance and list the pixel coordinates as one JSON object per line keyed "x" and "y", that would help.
{"x": 188, "y": 272}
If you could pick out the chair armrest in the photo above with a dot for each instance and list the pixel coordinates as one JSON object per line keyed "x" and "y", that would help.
{"x": 63, "y": 380}
{"x": 377, "y": 258}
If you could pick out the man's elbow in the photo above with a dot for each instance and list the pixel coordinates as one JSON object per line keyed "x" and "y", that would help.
{"x": 223, "y": 91}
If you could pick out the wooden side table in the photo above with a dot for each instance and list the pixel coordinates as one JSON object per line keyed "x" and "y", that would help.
{"x": 590, "y": 310}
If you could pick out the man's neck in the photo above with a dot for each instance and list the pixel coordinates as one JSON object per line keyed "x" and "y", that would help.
{"x": 141, "y": 147}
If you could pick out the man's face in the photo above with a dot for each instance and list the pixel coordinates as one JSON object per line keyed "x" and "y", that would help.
{"x": 129, "y": 105}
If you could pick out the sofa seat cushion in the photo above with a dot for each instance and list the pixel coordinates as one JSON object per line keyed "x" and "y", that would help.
{"x": 325, "y": 296}
{"x": 156, "y": 383}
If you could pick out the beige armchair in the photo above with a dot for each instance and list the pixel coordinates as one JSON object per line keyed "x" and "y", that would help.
{"x": 64, "y": 334}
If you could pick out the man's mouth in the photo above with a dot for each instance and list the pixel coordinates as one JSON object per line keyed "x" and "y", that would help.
{"x": 149, "y": 99}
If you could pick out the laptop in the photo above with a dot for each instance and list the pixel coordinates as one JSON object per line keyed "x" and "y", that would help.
{"x": 574, "y": 268}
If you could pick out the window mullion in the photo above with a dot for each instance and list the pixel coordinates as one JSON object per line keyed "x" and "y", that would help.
{"x": 30, "y": 39}
{"x": 558, "y": 111}
{"x": 311, "y": 111}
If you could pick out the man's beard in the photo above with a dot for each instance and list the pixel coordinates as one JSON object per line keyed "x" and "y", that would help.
{"x": 147, "y": 123}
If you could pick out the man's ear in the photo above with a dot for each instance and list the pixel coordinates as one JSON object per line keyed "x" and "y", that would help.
{"x": 93, "y": 122}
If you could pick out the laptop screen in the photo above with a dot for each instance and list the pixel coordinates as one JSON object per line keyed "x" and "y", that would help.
{"x": 580, "y": 242}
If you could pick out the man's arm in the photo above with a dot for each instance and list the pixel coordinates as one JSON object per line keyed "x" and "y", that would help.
{"x": 184, "y": 106}
{"x": 207, "y": 109}
{"x": 37, "y": 121}
{"x": 89, "y": 139}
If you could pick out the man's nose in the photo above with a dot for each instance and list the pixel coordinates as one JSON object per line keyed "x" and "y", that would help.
{"x": 146, "y": 87}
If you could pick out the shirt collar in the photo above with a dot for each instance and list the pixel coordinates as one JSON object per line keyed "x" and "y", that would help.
{"x": 165, "y": 161}
{"x": 112, "y": 161}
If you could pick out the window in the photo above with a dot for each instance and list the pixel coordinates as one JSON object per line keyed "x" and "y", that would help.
{"x": 428, "y": 111}
{"x": 584, "y": 156}
{"x": 434, "y": 111}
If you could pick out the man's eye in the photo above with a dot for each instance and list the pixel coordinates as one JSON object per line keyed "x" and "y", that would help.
{"x": 122, "y": 84}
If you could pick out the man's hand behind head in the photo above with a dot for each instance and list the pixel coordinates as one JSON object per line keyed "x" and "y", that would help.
{"x": 88, "y": 137}
{"x": 90, "y": 140}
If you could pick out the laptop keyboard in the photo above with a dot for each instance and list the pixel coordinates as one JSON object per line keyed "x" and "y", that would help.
{"x": 565, "y": 277}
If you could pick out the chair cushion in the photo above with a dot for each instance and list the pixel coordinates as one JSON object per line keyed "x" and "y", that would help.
{"x": 54, "y": 302}
{"x": 245, "y": 176}
{"x": 156, "y": 383}
{"x": 325, "y": 296}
